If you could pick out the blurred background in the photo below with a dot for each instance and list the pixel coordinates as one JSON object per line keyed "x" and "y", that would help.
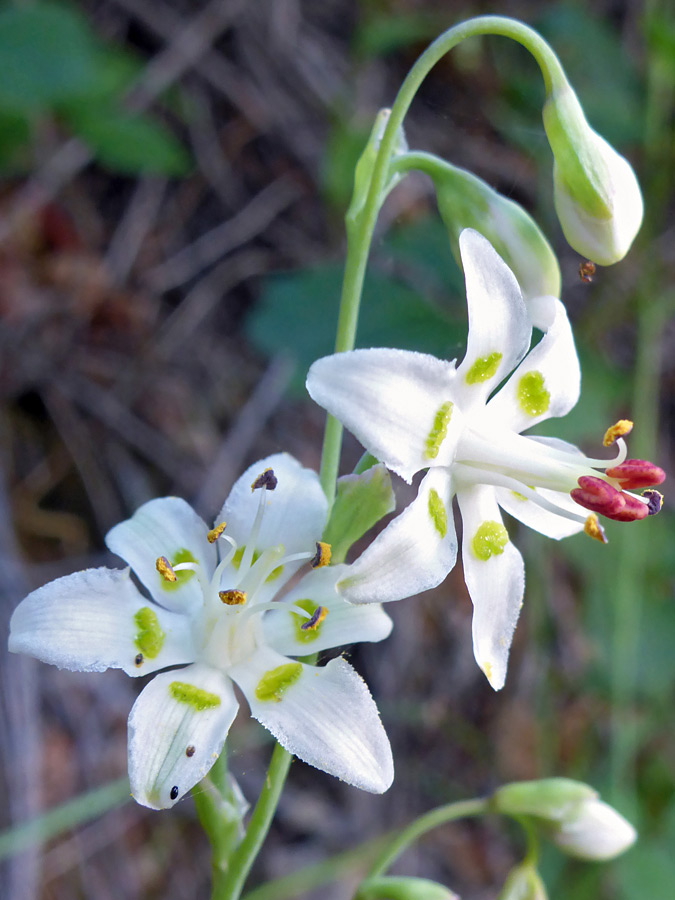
{"x": 174, "y": 176}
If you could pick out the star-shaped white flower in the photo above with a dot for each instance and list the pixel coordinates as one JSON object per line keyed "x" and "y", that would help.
{"x": 219, "y": 618}
{"x": 413, "y": 412}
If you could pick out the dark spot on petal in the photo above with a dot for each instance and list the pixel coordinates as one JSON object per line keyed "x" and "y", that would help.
{"x": 190, "y": 751}
{"x": 138, "y": 661}
{"x": 174, "y": 792}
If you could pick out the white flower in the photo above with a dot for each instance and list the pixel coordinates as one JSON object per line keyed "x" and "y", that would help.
{"x": 413, "y": 412}
{"x": 219, "y": 619}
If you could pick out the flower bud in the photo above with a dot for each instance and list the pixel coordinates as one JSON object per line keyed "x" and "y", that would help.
{"x": 364, "y": 168}
{"x": 596, "y": 193}
{"x": 572, "y": 815}
{"x": 392, "y": 888}
{"x": 523, "y": 883}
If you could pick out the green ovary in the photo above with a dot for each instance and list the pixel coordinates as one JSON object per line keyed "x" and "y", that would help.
{"x": 180, "y": 556}
{"x": 484, "y": 367}
{"x": 438, "y": 514}
{"x": 489, "y": 540}
{"x": 198, "y": 699}
{"x": 533, "y": 398}
{"x": 275, "y": 682}
{"x": 309, "y": 634}
{"x": 438, "y": 432}
{"x": 237, "y": 558}
{"x": 149, "y": 637}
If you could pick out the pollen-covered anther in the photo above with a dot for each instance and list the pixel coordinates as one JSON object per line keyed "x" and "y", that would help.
{"x": 594, "y": 529}
{"x": 232, "y": 597}
{"x": 636, "y": 473}
{"x": 601, "y": 497}
{"x": 322, "y": 556}
{"x": 216, "y": 532}
{"x": 623, "y": 426}
{"x": 165, "y": 569}
{"x": 266, "y": 479}
{"x": 654, "y": 502}
{"x": 318, "y": 616}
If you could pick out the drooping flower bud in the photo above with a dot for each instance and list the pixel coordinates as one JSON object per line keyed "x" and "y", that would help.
{"x": 523, "y": 883}
{"x": 364, "y": 168}
{"x": 596, "y": 194}
{"x": 404, "y": 888}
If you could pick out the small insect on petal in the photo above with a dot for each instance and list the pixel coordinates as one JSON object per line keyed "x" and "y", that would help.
{"x": 266, "y": 479}
{"x": 636, "y": 473}
{"x": 174, "y": 792}
{"x": 190, "y": 751}
{"x": 586, "y": 271}
{"x": 138, "y": 660}
{"x": 165, "y": 569}
{"x": 322, "y": 556}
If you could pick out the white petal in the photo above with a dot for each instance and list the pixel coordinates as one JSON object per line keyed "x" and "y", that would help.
{"x": 547, "y": 382}
{"x": 596, "y": 831}
{"x": 165, "y": 527}
{"x": 543, "y": 520}
{"x": 496, "y": 583}
{"x": 391, "y": 400}
{"x": 325, "y": 717}
{"x": 295, "y": 511}
{"x": 172, "y": 742}
{"x": 88, "y": 622}
{"x": 343, "y": 624}
{"x": 415, "y": 551}
{"x": 499, "y": 326}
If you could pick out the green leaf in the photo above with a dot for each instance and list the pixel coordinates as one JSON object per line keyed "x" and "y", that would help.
{"x": 361, "y": 501}
{"x": 128, "y": 143}
{"x": 47, "y": 55}
{"x": 15, "y": 134}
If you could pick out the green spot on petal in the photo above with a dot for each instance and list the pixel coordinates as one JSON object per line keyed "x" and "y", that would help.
{"x": 276, "y": 682}
{"x": 238, "y": 556}
{"x": 489, "y": 540}
{"x": 149, "y": 637}
{"x": 485, "y": 367}
{"x": 533, "y": 398}
{"x": 438, "y": 432}
{"x": 310, "y": 634}
{"x": 198, "y": 699}
{"x": 438, "y": 514}
{"x": 180, "y": 556}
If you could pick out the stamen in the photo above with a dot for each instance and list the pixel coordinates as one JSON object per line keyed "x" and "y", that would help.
{"x": 232, "y": 597}
{"x": 623, "y": 426}
{"x": 165, "y": 569}
{"x": 654, "y": 502}
{"x": 199, "y": 572}
{"x": 265, "y": 480}
{"x": 274, "y": 605}
{"x": 249, "y": 550}
{"x": 216, "y": 532}
{"x": 594, "y": 529}
{"x": 636, "y": 473}
{"x": 319, "y": 615}
{"x": 601, "y": 497}
{"x": 322, "y": 556}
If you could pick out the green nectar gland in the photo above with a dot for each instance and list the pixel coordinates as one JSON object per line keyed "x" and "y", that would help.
{"x": 197, "y": 698}
{"x": 533, "y": 398}
{"x": 149, "y": 637}
{"x": 438, "y": 514}
{"x": 489, "y": 540}
{"x": 484, "y": 368}
{"x": 275, "y": 682}
{"x": 439, "y": 431}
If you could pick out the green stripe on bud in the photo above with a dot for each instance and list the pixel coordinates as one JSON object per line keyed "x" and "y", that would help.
{"x": 149, "y": 637}
{"x": 197, "y": 698}
{"x": 439, "y": 430}
{"x": 275, "y": 682}
{"x": 489, "y": 540}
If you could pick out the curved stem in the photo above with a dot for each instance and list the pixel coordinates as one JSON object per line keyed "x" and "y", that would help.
{"x": 448, "y": 813}
{"x": 361, "y": 226}
{"x": 231, "y": 882}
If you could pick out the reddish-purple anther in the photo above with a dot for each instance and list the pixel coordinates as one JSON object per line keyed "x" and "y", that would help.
{"x": 637, "y": 473}
{"x": 601, "y": 497}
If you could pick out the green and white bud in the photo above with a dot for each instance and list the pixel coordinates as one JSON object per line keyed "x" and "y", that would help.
{"x": 596, "y": 194}
{"x": 363, "y": 173}
{"x": 393, "y": 888}
{"x": 523, "y": 883}
{"x": 466, "y": 201}
{"x": 571, "y": 814}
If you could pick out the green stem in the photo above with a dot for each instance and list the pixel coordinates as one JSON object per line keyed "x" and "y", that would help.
{"x": 448, "y": 813}
{"x": 230, "y": 883}
{"x": 360, "y": 227}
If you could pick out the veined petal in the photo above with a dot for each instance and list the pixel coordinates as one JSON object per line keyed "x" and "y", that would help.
{"x": 546, "y": 383}
{"x": 399, "y": 404}
{"x": 166, "y": 527}
{"x": 177, "y": 728}
{"x": 415, "y": 551}
{"x": 499, "y": 326}
{"x": 343, "y": 623}
{"x": 495, "y": 576}
{"x": 295, "y": 511}
{"x": 543, "y": 520}
{"x": 323, "y": 715}
{"x": 97, "y": 619}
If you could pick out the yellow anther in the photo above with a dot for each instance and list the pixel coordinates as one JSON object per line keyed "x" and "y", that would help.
{"x": 233, "y": 597}
{"x": 266, "y": 479}
{"x": 322, "y": 556}
{"x": 594, "y": 529}
{"x": 216, "y": 532}
{"x": 165, "y": 569}
{"x": 623, "y": 426}
{"x": 318, "y": 616}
